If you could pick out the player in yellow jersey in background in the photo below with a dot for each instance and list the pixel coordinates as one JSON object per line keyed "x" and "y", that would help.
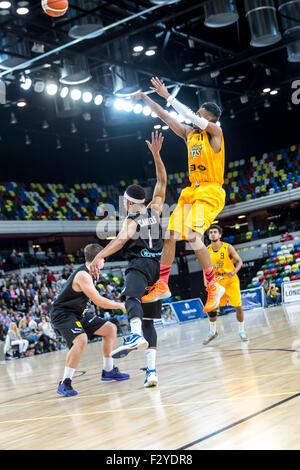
{"x": 222, "y": 257}
{"x": 200, "y": 203}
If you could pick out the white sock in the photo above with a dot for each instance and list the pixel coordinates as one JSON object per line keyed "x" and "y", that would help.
{"x": 213, "y": 327}
{"x": 108, "y": 364}
{"x": 136, "y": 326}
{"x": 241, "y": 326}
{"x": 151, "y": 358}
{"x": 69, "y": 372}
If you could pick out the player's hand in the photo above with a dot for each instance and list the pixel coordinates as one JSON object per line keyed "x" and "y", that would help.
{"x": 159, "y": 87}
{"x": 137, "y": 97}
{"x": 122, "y": 307}
{"x": 95, "y": 267}
{"x": 231, "y": 273}
{"x": 156, "y": 143}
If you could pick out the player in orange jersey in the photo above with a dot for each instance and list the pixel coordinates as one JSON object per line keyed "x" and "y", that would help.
{"x": 200, "y": 203}
{"x": 223, "y": 256}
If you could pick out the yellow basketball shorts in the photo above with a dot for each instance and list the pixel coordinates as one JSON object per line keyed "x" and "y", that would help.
{"x": 232, "y": 293}
{"x": 197, "y": 208}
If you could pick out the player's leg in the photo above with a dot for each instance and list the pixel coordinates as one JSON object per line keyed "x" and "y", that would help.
{"x": 95, "y": 326}
{"x": 212, "y": 334}
{"x": 136, "y": 283}
{"x": 150, "y": 335}
{"x": 235, "y": 299}
{"x": 240, "y": 316}
{"x": 77, "y": 347}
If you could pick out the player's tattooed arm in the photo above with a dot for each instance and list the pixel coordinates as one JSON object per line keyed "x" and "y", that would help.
{"x": 85, "y": 283}
{"x": 181, "y": 130}
{"x": 238, "y": 261}
{"x": 159, "y": 194}
{"x": 126, "y": 233}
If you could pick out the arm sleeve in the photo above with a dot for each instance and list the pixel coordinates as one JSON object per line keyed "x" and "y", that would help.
{"x": 187, "y": 113}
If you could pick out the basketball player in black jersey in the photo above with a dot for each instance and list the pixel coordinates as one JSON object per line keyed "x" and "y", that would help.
{"x": 141, "y": 242}
{"x": 71, "y": 317}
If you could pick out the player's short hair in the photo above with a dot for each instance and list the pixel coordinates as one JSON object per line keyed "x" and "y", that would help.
{"x": 217, "y": 227}
{"x": 213, "y": 109}
{"x": 135, "y": 191}
{"x": 91, "y": 251}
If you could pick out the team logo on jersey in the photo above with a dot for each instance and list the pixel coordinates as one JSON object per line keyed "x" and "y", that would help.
{"x": 79, "y": 324}
{"x": 196, "y": 150}
{"x": 218, "y": 265}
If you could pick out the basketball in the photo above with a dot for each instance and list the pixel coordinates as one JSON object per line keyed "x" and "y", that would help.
{"x": 55, "y": 7}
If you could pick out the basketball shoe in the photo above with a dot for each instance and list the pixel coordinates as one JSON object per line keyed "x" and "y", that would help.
{"x": 65, "y": 388}
{"x": 132, "y": 343}
{"x": 114, "y": 374}
{"x": 160, "y": 290}
{"x": 215, "y": 293}
{"x": 151, "y": 379}
{"x": 210, "y": 338}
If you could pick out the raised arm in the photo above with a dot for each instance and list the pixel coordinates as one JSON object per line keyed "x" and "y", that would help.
{"x": 159, "y": 194}
{"x": 85, "y": 284}
{"x": 180, "y": 129}
{"x": 127, "y": 232}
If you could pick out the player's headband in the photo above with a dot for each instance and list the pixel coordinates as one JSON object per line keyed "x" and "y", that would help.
{"x": 132, "y": 199}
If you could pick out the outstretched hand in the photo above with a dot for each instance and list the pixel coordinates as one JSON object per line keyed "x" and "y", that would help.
{"x": 159, "y": 87}
{"x": 156, "y": 143}
{"x": 95, "y": 267}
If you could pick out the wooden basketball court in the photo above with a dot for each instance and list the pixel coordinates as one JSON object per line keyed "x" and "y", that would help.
{"x": 231, "y": 395}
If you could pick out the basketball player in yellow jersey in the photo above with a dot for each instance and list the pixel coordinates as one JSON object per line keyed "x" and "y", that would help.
{"x": 222, "y": 257}
{"x": 200, "y": 203}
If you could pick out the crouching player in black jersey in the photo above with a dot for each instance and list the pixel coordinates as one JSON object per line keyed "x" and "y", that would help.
{"x": 71, "y": 317}
{"x": 141, "y": 241}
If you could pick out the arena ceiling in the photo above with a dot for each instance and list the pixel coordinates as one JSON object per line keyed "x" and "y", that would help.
{"x": 205, "y": 63}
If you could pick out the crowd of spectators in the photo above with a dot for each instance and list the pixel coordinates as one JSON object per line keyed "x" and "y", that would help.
{"x": 17, "y": 259}
{"x": 25, "y": 306}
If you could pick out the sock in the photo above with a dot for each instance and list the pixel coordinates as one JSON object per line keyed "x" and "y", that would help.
{"x": 213, "y": 327}
{"x": 68, "y": 374}
{"x": 241, "y": 326}
{"x": 164, "y": 273}
{"x": 108, "y": 364}
{"x": 209, "y": 276}
{"x": 151, "y": 357}
{"x": 136, "y": 326}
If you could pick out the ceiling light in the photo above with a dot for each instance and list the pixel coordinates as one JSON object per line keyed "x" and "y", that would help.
{"x": 51, "y": 89}
{"x": 64, "y": 92}
{"x": 26, "y": 84}
{"x": 138, "y": 48}
{"x": 75, "y": 94}
{"x": 87, "y": 97}
{"x": 273, "y": 92}
{"x": 98, "y": 100}
{"x": 154, "y": 115}
{"x": 119, "y": 104}
{"x": 128, "y": 106}
{"x": 165, "y": 128}
{"x": 150, "y": 52}
{"x": 22, "y": 11}
{"x": 146, "y": 111}
{"x": 266, "y": 90}
{"x": 157, "y": 126}
{"x": 241, "y": 217}
{"x": 138, "y": 108}
{"x": 39, "y": 86}
{"x": 87, "y": 116}
{"x": 5, "y": 4}
{"x": 21, "y": 103}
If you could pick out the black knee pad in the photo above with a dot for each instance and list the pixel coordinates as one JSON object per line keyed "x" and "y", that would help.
{"x": 149, "y": 333}
{"x": 213, "y": 314}
{"x": 134, "y": 308}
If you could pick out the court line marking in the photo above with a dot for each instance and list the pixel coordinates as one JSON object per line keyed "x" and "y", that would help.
{"x": 167, "y": 387}
{"x": 236, "y": 423}
{"x": 162, "y": 405}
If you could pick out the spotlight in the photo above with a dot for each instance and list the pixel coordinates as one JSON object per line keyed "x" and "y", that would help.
{"x": 138, "y": 108}
{"x": 146, "y": 111}
{"x": 138, "y": 48}
{"x": 26, "y": 84}
{"x": 75, "y": 94}
{"x": 39, "y": 86}
{"x": 150, "y": 52}
{"x": 98, "y": 100}
{"x": 273, "y": 92}
{"x": 241, "y": 217}
{"x": 128, "y": 106}
{"x": 119, "y": 104}
{"x": 21, "y": 103}
{"x": 51, "y": 89}
{"x": 87, "y": 97}
{"x": 266, "y": 90}
{"x": 64, "y": 92}
{"x": 157, "y": 126}
{"x": 22, "y": 11}
{"x": 5, "y": 5}
{"x": 165, "y": 128}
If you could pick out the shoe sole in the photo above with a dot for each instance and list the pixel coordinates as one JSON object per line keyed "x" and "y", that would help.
{"x": 122, "y": 351}
{"x": 117, "y": 379}
{"x": 66, "y": 396}
{"x": 166, "y": 295}
{"x": 206, "y": 344}
{"x": 222, "y": 292}
{"x": 152, "y": 383}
